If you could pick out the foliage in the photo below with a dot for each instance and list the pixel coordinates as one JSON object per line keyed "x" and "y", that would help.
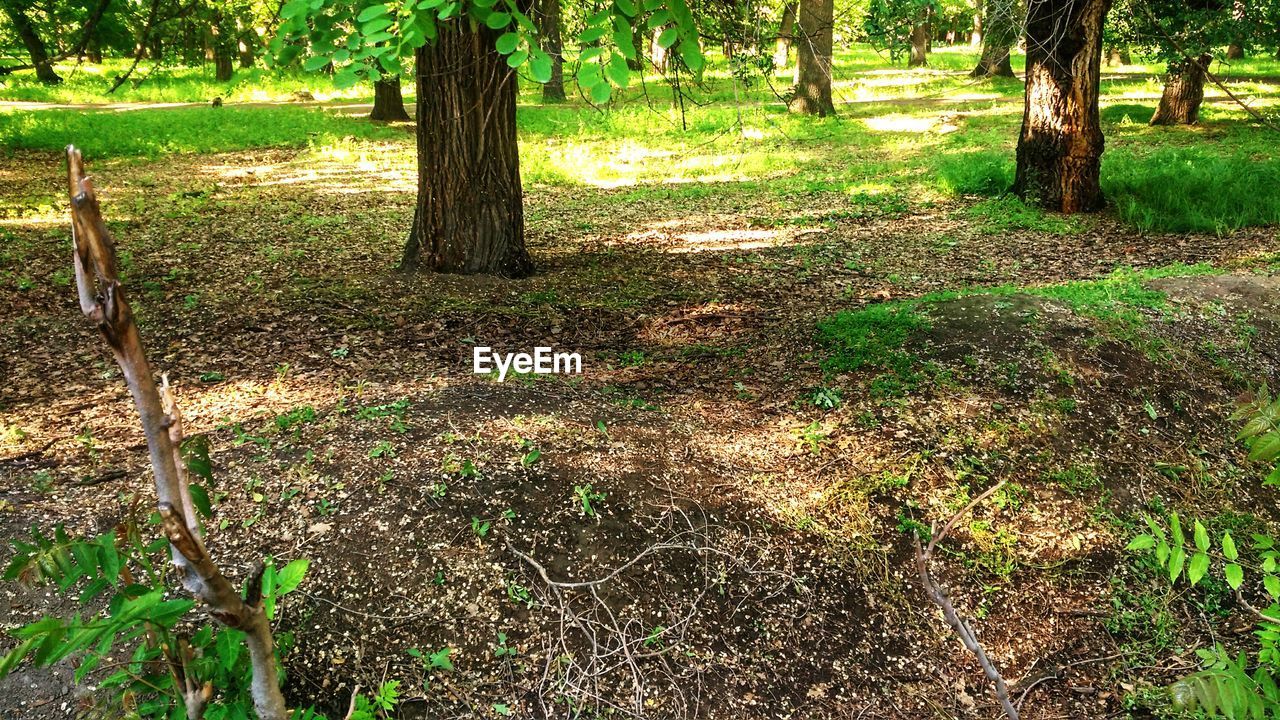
{"x": 365, "y": 40}
{"x": 871, "y": 336}
{"x": 1230, "y": 686}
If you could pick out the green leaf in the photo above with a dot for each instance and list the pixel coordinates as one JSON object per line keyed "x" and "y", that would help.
{"x": 668, "y": 38}
{"x": 692, "y": 55}
{"x": 1266, "y": 448}
{"x": 293, "y": 8}
{"x": 498, "y": 20}
{"x": 1141, "y": 542}
{"x": 540, "y": 66}
{"x": 108, "y": 558}
{"x": 1274, "y": 477}
{"x": 1272, "y": 585}
{"x": 1175, "y": 529}
{"x": 1197, "y": 568}
{"x": 371, "y": 12}
{"x": 315, "y": 62}
{"x": 622, "y": 37}
{"x": 1177, "y": 558}
{"x": 1201, "y": 537}
{"x": 373, "y": 27}
{"x": 291, "y": 576}
{"x": 1235, "y": 575}
{"x": 591, "y": 35}
{"x": 599, "y": 95}
{"x": 1229, "y": 547}
{"x": 1262, "y": 542}
{"x": 517, "y": 58}
{"x": 507, "y": 42}
{"x": 200, "y": 498}
{"x": 627, "y": 7}
{"x": 617, "y": 71}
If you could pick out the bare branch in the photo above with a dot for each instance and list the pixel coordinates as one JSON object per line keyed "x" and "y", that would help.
{"x": 102, "y": 300}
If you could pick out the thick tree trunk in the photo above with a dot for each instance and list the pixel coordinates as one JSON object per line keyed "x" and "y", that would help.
{"x": 1060, "y": 147}
{"x": 1183, "y": 93}
{"x": 470, "y": 214}
{"x": 1002, "y": 24}
{"x": 248, "y": 41}
{"x": 94, "y": 53}
{"x": 224, "y": 46}
{"x": 786, "y": 30}
{"x": 388, "y": 101}
{"x": 547, "y": 18}
{"x": 813, "y": 59}
{"x": 919, "y": 46}
{"x": 26, "y": 32}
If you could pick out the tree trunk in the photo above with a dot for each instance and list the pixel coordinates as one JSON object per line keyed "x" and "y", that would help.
{"x": 31, "y": 40}
{"x": 224, "y": 45}
{"x": 1235, "y": 51}
{"x": 248, "y": 41}
{"x": 94, "y": 52}
{"x": 1183, "y": 93}
{"x": 1239, "y": 11}
{"x": 388, "y": 102}
{"x": 1002, "y": 25}
{"x": 786, "y": 30}
{"x": 975, "y": 36}
{"x": 470, "y": 214}
{"x": 638, "y": 35}
{"x": 919, "y": 46}
{"x": 1060, "y": 147}
{"x": 547, "y": 18}
{"x": 813, "y": 59}
{"x": 657, "y": 53}
{"x": 1118, "y": 55}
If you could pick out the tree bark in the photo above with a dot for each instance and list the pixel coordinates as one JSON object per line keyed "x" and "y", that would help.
{"x": 1118, "y": 55}
{"x": 388, "y": 101}
{"x": 1183, "y": 93}
{"x": 1061, "y": 143}
{"x": 26, "y": 32}
{"x": 786, "y": 31}
{"x": 1001, "y": 24}
{"x": 547, "y": 19}
{"x": 470, "y": 215}
{"x": 919, "y": 46}
{"x": 976, "y": 35}
{"x": 224, "y": 46}
{"x": 813, "y": 59}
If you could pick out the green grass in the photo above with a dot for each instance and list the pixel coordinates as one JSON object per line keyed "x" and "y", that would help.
{"x": 151, "y": 133}
{"x": 870, "y": 337}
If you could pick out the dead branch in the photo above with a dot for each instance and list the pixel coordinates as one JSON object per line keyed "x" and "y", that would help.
{"x": 102, "y": 301}
{"x": 924, "y": 555}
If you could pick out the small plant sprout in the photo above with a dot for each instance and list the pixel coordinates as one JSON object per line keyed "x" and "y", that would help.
{"x": 480, "y": 527}
{"x": 502, "y": 650}
{"x": 587, "y": 498}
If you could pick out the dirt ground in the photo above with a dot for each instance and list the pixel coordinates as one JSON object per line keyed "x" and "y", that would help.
{"x": 746, "y": 553}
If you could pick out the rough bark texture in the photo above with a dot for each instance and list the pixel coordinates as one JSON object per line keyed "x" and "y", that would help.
{"x": 547, "y": 18}
{"x": 813, "y": 59}
{"x": 919, "y": 46}
{"x": 786, "y": 31}
{"x": 388, "y": 101}
{"x": 102, "y": 300}
{"x": 1060, "y": 147}
{"x": 1002, "y": 24}
{"x": 470, "y": 215}
{"x": 26, "y": 32}
{"x": 1183, "y": 93}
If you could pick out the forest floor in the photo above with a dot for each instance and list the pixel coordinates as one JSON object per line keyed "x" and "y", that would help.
{"x": 780, "y": 382}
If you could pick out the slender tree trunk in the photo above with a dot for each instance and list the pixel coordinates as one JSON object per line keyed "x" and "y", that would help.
{"x": 919, "y": 47}
{"x": 224, "y": 45}
{"x": 1060, "y": 147}
{"x": 247, "y": 43}
{"x": 1002, "y": 24}
{"x": 26, "y": 32}
{"x": 547, "y": 18}
{"x": 388, "y": 101}
{"x": 657, "y": 53}
{"x": 786, "y": 30}
{"x": 94, "y": 52}
{"x": 1235, "y": 51}
{"x": 975, "y": 36}
{"x": 470, "y": 213}
{"x": 1183, "y": 93}
{"x": 813, "y": 59}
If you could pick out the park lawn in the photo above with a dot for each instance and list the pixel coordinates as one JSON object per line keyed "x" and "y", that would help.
{"x": 802, "y": 339}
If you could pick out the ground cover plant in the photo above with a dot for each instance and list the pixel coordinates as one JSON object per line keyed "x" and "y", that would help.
{"x": 864, "y": 428}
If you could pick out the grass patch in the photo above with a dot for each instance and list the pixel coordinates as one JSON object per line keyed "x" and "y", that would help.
{"x": 151, "y": 133}
{"x": 1004, "y": 214}
{"x": 1192, "y": 190}
{"x": 872, "y": 336}
{"x": 986, "y": 172}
